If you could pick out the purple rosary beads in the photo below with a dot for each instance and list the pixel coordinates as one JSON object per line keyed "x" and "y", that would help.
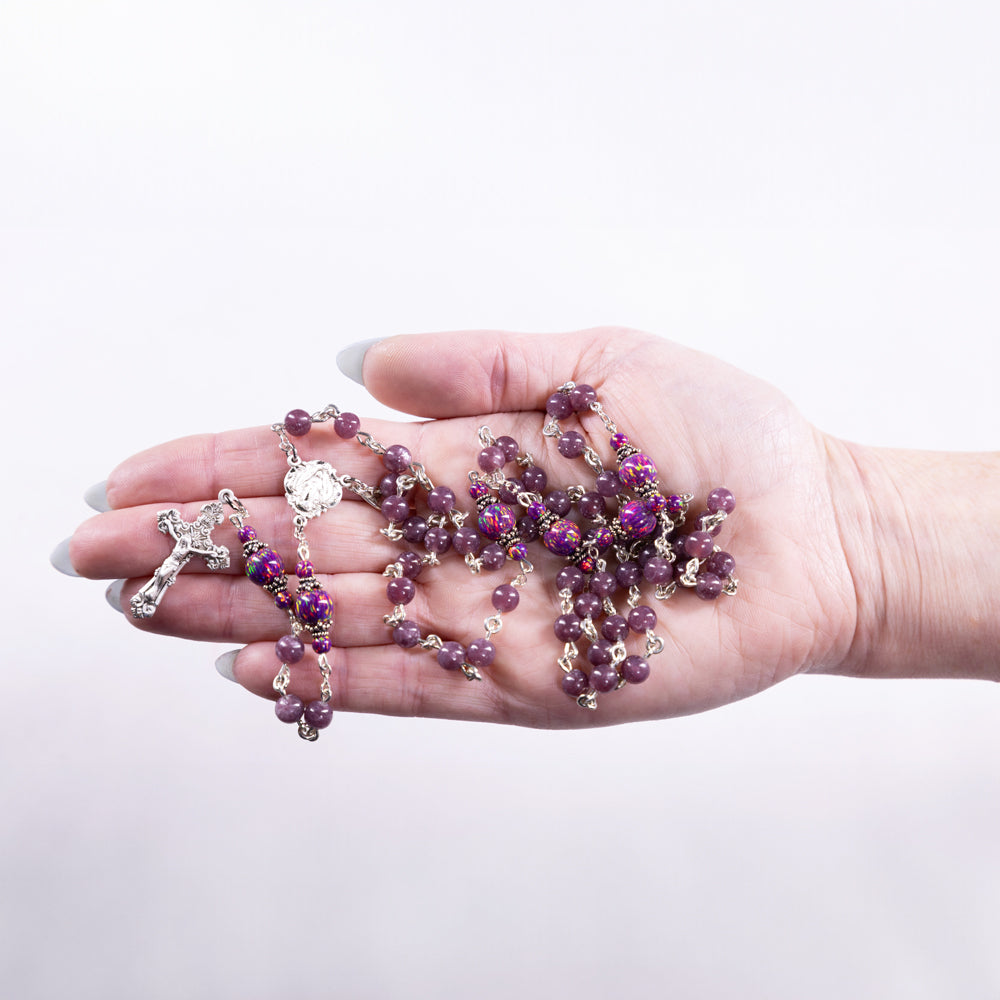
{"x": 620, "y": 534}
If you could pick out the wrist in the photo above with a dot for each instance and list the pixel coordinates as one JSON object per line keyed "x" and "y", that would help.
{"x": 919, "y": 532}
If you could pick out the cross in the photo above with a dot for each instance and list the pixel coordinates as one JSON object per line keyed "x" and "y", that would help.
{"x": 192, "y": 538}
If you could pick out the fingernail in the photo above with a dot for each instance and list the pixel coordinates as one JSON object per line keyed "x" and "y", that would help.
{"x": 224, "y": 664}
{"x": 114, "y": 595}
{"x": 97, "y": 497}
{"x": 60, "y": 559}
{"x": 351, "y": 359}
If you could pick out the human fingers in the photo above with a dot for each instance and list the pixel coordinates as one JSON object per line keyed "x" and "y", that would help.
{"x": 482, "y": 372}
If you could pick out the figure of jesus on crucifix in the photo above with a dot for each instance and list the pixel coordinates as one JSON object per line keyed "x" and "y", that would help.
{"x": 193, "y": 538}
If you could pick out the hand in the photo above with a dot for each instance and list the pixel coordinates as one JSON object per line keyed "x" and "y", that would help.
{"x": 704, "y": 423}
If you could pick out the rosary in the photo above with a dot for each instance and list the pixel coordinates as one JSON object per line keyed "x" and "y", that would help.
{"x": 628, "y": 531}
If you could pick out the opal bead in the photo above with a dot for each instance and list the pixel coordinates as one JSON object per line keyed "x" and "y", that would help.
{"x": 264, "y": 566}
{"x": 496, "y": 520}
{"x": 635, "y": 521}
{"x": 637, "y": 470}
{"x": 314, "y": 608}
{"x": 563, "y": 538}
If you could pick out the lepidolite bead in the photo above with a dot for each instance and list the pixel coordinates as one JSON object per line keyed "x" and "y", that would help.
{"x": 637, "y": 470}
{"x": 570, "y": 578}
{"x": 558, "y": 502}
{"x": 288, "y": 708}
{"x": 571, "y": 444}
{"x": 558, "y": 405}
{"x": 635, "y": 669}
{"x": 411, "y": 564}
{"x": 535, "y": 479}
{"x": 581, "y": 396}
{"x": 451, "y": 655}
{"x": 698, "y": 544}
{"x": 614, "y": 628}
{"x": 297, "y": 422}
{"x": 628, "y": 574}
{"x": 641, "y": 619}
{"x": 397, "y": 458}
{"x": 708, "y": 586}
{"x": 406, "y": 634}
{"x": 399, "y": 590}
{"x": 568, "y": 628}
{"x": 721, "y": 499}
{"x": 318, "y": 714}
{"x": 509, "y": 447}
{"x": 441, "y": 499}
{"x": 562, "y": 538}
{"x": 592, "y": 505}
{"x": 346, "y": 425}
{"x": 510, "y": 490}
{"x": 599, "y": 651}
{"x": 658, "y": 570}
{"x": 414, "y": 529}
{"x": 527, "y": 529}
{"x": 603, "y": 583}
{"x": 493, "y": 557}
{"x": 491, "y": 458}
{"x": 437, "y": 540}
{"x": 720, "y": 563}
{"x": 395, "y": 509}
{"x": 289, "y": 649}
{"x": 574, "y": 682}
{"x": 465, "y": 541}
{"x": 505, "y": 597}
{"x": 608, "y": 484}
{"x": 587, "y": 605}
{"x": 604, "y": 677}
{"x": 481, "y": 652}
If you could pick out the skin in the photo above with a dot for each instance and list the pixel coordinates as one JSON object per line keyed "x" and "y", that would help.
{"x": 849, "y": 559}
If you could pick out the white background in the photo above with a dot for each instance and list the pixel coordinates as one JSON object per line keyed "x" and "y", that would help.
{"x": 201, "y": 203}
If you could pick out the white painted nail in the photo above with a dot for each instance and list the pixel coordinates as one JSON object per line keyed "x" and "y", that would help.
{"x": 60, "y": 559}
{"x": 351, "y": 359}
{"x": 114, "y": 595}
{"x": 224, "y": 664}
{"x": 97, "y": 497}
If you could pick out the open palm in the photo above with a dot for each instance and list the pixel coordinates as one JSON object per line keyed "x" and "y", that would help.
{"x": 704, "y": 423}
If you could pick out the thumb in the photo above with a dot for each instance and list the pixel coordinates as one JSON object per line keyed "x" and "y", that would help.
{"x": 483, "y": 371}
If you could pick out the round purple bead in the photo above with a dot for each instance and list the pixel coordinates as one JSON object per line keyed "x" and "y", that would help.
{"x": 721, "y": 499}
{"x": 264, "y": 566}
{"x": 658, "y": 570}
{"x": 527, "y": 529}
{"x": 297, "y": 422}
{"x": 571, "y": 444}
{"x": 247, "y": 533}
{"x": 599, "y": 652}
{"x": 481, "y": 652}
{"x": 635, "y": 669}
{"x": 637, "y": 470}
{"x": 414, "y": 529}
{"x": 289, "y": 649}
{"x": 635, "y": 520}
{"x": 604, "y": 677}
{"x": 441, "y": 499}
{"x": 603, "y": 583}
{"x": 618, "y": 440}
{"x": 558, "y": 405}
{"x": 720, "y": 563}
{"x": 411, "y": 564}
{"x": 491, "y": 458}
{"x": 451, "y": 655}
{"x": 608, "y": 484}
{"x": 496, "y": 520}
{"x": 568, "y": 628}
{"x": 641, "y": 619}
{"x": 437, "y": 540}
{"x": 587, "y": 605}
{"x": 406, "y": 634}
{"x": 581, "y": 396}
{"x": 465, "y": 540}
{"x": 395, "y": 509}
{"x": 397, "y": 458}
{"x": 562, "y": 538}
{"x": 346, "y": 425}
{"x": 592, "y": 505}
{"x": 535, "y": 479}
{"x": 510, "y": 490}
{"x": 558, "y": 502}
{"x": 574, "y": 682}
{"x": 319, "y": 714}
{"x": 399, "y": 590}
{"x": 708, "y": 586}
{"x": 509, "y": 447}
{"x": 570, "y": 578}
{"x": 614, "y": 628}
{"x": 493, "y": 557}
{"x": 288, "y": 708}
{"x": 314, "y": 608}
{"x": 627, "y": 574}
{"x": 505, "y": 597}
{"x": 698, "y": 544}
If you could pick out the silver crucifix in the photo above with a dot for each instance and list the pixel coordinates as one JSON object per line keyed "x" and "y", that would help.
{"x": 192, "y": 538}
